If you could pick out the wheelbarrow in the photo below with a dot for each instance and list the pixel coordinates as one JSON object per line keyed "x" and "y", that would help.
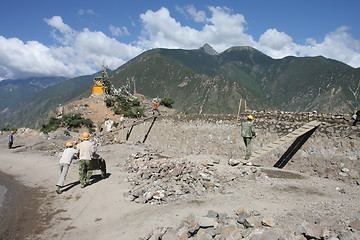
{"x": 98, "y": 163}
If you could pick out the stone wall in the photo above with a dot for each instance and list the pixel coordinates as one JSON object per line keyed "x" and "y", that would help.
{"x": 331, "y": 152}
{"x": 282, "y": 123}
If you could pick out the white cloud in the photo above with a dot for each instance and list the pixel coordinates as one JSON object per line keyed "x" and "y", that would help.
{"x": 274, "y": 39}
{"x": 190, "y": 11}
{"x": 86, "y": 12}
{"x": 83, "y": 52}
{"x": 226, "y": 29}
{"x": 66, "y": 33}
{"x": 222, "y": 31}
{"x": 20, "y": 60}
{"x": 117, "y": 31}
{"x": 338, "y": 45}
{"x": 160, "y": 30}
{"x": 80, "y": 53}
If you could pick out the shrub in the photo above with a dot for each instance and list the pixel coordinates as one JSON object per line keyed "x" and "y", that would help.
{"x": 8, "y": 129}
{"x": 136, "y": 103}
{"x": 139, "y": 112}
{"x": 167, "y": 102}
{"x": 52, "y": 125}
{"x": 109, "y": 102}
{"x": 72, "y": 121}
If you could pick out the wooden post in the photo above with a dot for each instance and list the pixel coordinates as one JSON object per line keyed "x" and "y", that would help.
{"x": 234, "y": 131}
{"x": 239, "y": 107}
{"x": 149, "y": 129}
{"x": 129, "y": 132}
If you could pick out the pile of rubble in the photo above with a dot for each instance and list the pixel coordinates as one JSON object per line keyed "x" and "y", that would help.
{"x": 161, "y": 180}
{"x": 246, "y": 224}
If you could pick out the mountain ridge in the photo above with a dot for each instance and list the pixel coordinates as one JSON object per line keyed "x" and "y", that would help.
{"x": 200, "y": 82}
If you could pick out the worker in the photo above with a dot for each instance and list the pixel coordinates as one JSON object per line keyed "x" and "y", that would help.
{"x": 108, "y": 124}
{"x": 86, "y": 150}
{"x": 155, "y": 107}
{"x": 356, "y": 117}
{"x": 248, "y": 133}
{"x": 99, "y": 126}
{"x": 11, "y": 139}
{"x": 65, "y": 161}
{"x": 122, "y": 121}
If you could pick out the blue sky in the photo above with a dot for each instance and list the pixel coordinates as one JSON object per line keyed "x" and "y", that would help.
{"x": 72, "y": 38}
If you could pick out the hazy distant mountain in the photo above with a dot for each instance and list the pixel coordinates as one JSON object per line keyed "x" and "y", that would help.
{"x": 203, "y": 81}
{"x": 33, "y": 111}
{"x": 16, "y": 90}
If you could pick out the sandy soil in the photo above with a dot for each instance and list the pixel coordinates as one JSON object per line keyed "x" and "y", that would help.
{"x": 102, "y": 211}
{"x": 20, "y": 217}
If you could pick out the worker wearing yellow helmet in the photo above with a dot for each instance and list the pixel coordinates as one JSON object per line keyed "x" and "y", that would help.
{"x": 86, "y": 151}
{"x": 248, "y": 133}
{"x": 64, "y": 163}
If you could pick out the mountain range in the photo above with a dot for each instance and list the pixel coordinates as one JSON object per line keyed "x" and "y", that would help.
{"x": 13, "y": 91}
{"x": 204, "y": 81}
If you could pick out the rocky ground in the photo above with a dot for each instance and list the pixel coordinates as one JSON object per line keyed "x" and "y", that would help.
{"x": 178, "y": 184}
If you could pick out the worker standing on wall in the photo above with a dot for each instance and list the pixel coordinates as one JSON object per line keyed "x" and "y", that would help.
{"x": 155, "y": 107}
{"x": 248, "y": 133}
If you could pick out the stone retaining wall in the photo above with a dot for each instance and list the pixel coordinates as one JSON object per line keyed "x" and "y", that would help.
{"x": 283, "y": 123}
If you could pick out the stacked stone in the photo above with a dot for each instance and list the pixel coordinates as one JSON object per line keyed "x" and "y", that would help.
{"x": 278, "y": 116}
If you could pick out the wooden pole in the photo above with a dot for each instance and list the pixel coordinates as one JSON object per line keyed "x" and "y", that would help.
{"x": 129, "y": 132}
{"x": 234, "y": 131}
{"x": 239, "y": 107}
{"x": 237, "y": 120}
{"x": 149, "y": 129}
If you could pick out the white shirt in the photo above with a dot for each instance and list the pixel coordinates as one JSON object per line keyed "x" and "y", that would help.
{"x": 67, "y": 156}
{"x": 108, "y": 125}
{"x": 86, "y": 150}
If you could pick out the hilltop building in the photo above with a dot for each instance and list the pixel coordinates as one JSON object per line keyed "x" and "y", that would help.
{"x": 100, "y": 83}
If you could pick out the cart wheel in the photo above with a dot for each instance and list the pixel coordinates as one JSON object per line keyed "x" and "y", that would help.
{"x": 103, "y": 168}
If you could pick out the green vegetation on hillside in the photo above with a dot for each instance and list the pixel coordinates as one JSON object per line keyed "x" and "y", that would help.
{"x": 7, "y": 129}
{"x": 167, "y": 102}
{"x": 69, "y": 121}
{"x": 122, "y": 105}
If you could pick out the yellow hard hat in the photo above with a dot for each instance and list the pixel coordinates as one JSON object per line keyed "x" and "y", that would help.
{"x": 11, "y": 131}
{"x": 250, "y": 117}
{"x": 69, "y": 144}
{"x": 85, "y": 135}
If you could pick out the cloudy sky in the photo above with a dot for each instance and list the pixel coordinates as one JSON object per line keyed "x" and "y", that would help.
{"x": 72, "y": 38}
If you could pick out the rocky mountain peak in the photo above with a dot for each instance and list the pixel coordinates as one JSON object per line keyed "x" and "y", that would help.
{"x": 208, "y": 49}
